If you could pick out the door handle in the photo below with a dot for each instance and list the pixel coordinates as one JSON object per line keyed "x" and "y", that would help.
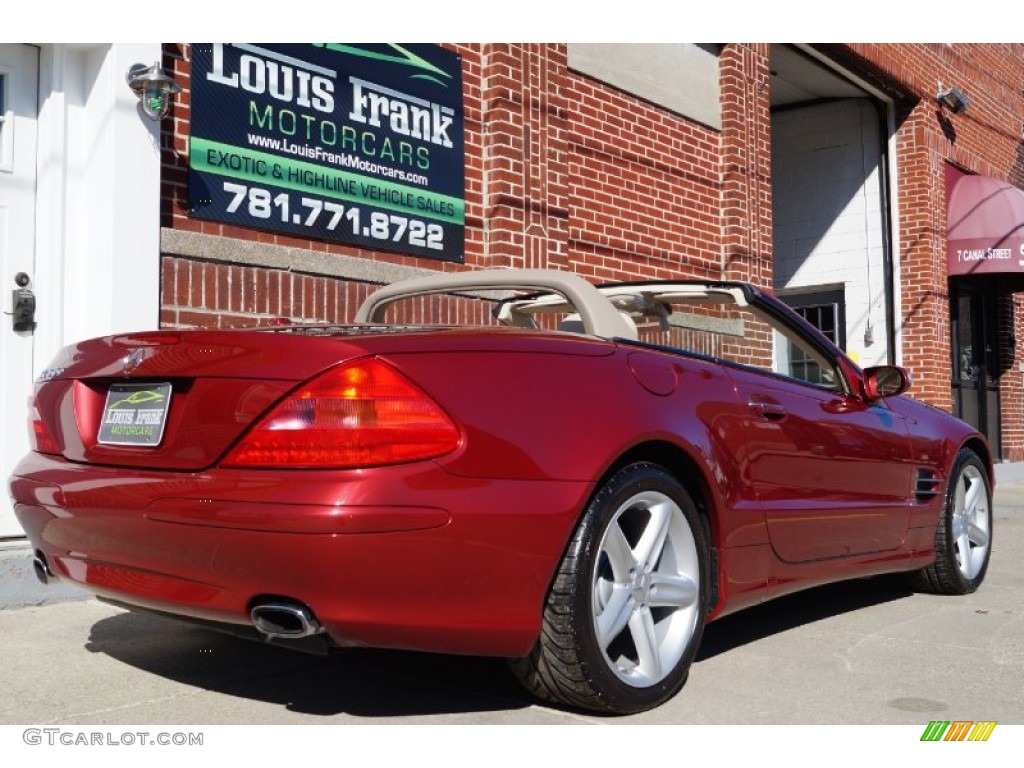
{"x": 768, "y": 411}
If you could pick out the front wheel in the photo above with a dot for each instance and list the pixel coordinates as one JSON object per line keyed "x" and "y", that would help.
{"x": 626, "y": 612}
{"x": 963, "y": 540}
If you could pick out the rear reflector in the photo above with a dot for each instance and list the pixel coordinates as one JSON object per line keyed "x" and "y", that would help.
{"x": 40, "y": 438}
{"x": 360, "y": 414}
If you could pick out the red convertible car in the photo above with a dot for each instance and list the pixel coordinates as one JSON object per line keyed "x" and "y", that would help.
{"x": 514, "y": 463}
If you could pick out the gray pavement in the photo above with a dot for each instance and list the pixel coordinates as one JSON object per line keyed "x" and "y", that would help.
{"x": 18, "y": 583}
{"x": 863, "y": 652}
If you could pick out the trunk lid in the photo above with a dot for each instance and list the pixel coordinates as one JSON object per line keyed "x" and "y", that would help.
{"x": 220, "y": 383}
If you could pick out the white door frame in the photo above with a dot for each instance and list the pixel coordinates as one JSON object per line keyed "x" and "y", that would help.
{"x": 19, "y": 68}
{"x": 97, "y": 227}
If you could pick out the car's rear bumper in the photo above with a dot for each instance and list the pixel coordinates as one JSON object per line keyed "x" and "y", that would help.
{"x": 402, "y": 557}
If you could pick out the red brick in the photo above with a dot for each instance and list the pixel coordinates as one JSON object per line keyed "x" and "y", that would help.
{"x": 563, "y": 170}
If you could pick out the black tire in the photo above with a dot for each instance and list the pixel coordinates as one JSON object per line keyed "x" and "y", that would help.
{"x": 963, "y": 539}
{"x": 651, "y": 614}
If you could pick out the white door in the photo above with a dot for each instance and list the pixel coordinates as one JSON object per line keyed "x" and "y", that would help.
{"x": 19, "y": 65}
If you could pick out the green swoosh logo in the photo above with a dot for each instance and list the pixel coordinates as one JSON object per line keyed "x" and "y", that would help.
{"x": 403, "y": 56}
{"x": 137, "y": 398}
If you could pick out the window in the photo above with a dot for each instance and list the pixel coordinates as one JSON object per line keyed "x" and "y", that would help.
{"x": 826, "y": 311}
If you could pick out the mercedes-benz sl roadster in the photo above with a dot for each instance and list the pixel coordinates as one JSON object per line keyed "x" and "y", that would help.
{"x": 513, "y": 463}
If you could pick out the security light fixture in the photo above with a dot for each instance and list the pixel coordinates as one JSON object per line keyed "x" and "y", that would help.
{"x": 953, "y": 98}
{"x": 154, "y": 88}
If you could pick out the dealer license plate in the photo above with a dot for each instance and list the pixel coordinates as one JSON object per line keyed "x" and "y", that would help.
{"x": 135, "y": 414}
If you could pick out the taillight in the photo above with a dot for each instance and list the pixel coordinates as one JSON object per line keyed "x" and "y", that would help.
{"x": 40, "y": 437}
{"x": 359, "y": 414}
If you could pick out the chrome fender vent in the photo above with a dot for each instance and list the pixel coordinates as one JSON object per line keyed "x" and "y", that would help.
{"x": 928, "y": 485}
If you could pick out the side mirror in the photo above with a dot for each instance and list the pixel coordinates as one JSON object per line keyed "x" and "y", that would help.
{"x": 885, "y": 381}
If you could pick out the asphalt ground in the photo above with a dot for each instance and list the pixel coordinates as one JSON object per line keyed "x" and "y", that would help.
{"x": 867, "y": 652}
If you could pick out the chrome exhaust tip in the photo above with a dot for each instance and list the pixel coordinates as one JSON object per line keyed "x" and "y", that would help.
{"x": 284, "y": 620}
{"x": 42, "y": 569}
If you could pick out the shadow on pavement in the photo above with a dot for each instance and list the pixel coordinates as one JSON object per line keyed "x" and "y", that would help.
{"x": 377, "y": 683}
{"x": 360, "y": 682}
{"x": 801, "y": 608}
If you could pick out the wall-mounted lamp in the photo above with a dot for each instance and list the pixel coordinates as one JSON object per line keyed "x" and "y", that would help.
{"x": 154, "y": 87}
{"x": 953, "y": 98}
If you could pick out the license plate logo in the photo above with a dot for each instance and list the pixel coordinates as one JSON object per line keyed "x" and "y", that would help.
{"x": 135, "y": 414}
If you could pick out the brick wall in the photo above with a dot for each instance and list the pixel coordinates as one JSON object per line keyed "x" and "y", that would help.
{"x": 197, "y": 292}
{"x": 644, "y": 188}
{"x": 202, "y": 293}
{"x": 986, "y": 140}
{"x": 565, "y": 171}
{"x": 746, "y": 201}
{"x": 561, "y": 171}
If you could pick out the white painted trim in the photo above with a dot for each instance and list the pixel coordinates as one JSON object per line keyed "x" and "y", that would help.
{"x": 894, "y": 235}
{"x": 98, "y": 220}
{"x": 51, "y": 205}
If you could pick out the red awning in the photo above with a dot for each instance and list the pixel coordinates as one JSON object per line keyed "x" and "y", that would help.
{"x": 985, "y": 225}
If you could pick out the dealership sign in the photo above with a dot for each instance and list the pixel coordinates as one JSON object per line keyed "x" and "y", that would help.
{"x": 359, "y": 144}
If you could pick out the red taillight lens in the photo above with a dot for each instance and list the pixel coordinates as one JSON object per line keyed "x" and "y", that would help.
{"x": 40, "y": 438}
{"x": 357, "y": 415}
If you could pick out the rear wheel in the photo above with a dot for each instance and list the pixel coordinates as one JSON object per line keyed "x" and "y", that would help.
{"x": 963, "y": 540}
{"x": 626, "y": 611}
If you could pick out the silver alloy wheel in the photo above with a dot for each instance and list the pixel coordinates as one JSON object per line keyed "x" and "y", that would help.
{"x": 971, "y": 521}
{"x": 646, "y": 589}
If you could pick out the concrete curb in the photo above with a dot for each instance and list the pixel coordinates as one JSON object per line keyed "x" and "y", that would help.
{"x": 1008, "y": 473}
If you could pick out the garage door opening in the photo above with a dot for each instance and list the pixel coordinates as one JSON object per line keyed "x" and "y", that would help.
{"x": 830, "y": 203}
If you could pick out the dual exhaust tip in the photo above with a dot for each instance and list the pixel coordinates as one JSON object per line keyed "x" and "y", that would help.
{"x": 41, "y": 568}
{"x": 284, "y": 619}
